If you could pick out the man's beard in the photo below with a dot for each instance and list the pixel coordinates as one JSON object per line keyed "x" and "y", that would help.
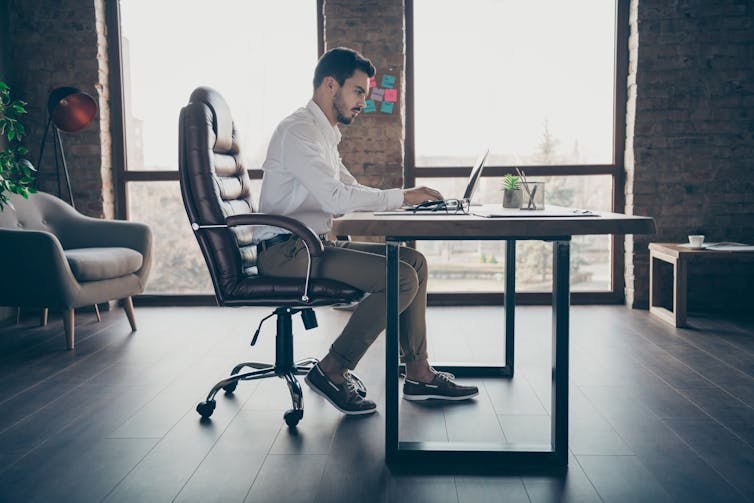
{"x": 343, "y": 119}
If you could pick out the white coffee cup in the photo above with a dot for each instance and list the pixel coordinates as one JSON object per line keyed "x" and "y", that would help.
{"x": 696, "y": 240}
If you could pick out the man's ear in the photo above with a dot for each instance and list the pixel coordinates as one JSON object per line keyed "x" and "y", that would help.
{"x": 331, "y": 84}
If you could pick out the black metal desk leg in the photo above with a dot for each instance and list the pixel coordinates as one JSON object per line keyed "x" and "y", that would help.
{"x": 391, "y": 349}
{"x": 560, "y": 321}
{"x": 510, "y": 303}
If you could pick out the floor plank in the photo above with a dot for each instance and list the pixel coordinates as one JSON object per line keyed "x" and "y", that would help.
{"x": 165, "y": 469}
{"x": 725, "y": 453}
{"x": 229, "y": 470}
{"x": 572, "y": 487}
{"x": 657, "y": 413}
{"x": 293, "y": 478}
{"x": 623, "y": 479}
{"x": 673, "y": 460}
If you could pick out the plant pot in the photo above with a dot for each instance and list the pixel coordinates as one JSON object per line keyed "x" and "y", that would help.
{"x": 512, "y": 198}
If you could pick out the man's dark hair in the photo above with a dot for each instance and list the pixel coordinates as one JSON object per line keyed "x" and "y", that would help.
{"x": 341, "y": 63}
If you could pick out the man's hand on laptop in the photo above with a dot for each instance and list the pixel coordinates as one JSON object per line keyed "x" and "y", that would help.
{"x": 419, "y": 195}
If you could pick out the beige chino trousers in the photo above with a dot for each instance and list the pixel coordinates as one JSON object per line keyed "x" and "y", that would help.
{"x": 361, "y": 265}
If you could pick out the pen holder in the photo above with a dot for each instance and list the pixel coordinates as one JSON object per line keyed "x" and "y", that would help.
{"x": 534, "y": 198}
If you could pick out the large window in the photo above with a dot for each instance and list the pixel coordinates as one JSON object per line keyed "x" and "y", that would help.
{"x": 258, "y": 55}
{"x": 538, "y": 82}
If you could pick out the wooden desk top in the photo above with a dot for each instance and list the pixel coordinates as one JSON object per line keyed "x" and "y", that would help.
{"x": 435, "y": 226}
{"x": 675, "y": 250}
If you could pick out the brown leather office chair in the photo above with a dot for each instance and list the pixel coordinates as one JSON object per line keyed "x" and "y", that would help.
{"x": 216, "y": 194}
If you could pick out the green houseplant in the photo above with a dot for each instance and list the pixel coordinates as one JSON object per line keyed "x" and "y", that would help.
{"x": 511, "y": 191}
{"x": 16, "y": 173}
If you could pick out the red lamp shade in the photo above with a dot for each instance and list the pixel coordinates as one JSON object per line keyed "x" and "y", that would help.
{"x": 71, "y": 109}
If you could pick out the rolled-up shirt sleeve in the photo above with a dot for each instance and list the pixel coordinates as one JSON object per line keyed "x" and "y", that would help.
{"x": 306, "y": 159}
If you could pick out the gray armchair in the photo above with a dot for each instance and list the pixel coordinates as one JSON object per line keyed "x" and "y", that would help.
{"x": 54, "y": 257}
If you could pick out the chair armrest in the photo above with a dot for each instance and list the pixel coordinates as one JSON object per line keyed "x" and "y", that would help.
{"x": 313, "y": 243}
{"x": 35, "y": 270}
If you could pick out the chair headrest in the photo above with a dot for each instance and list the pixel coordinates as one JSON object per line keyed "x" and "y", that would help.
{"x": 222, "y": 120}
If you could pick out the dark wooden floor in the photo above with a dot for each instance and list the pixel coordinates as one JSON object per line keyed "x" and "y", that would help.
{"x": 657, "y": 414}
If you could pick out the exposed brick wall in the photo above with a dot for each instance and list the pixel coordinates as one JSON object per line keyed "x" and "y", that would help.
{"x": 63, "y": 44}
{"x": 6, "y": 313}
{"x": 690, "y": 127}
{"x": 372, "y": 146}
{"x": 105, "y": 137}
{"x": 632, "y": 262}
{"x": 4, "y": 57}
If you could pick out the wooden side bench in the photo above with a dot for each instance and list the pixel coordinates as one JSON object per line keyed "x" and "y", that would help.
{"x": 680, "y": 257}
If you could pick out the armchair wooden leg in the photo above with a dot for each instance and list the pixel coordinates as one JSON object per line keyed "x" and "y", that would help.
{"x": 68, "y": 318}
{"x": 96, "y": 310}
{"x": 128, "y": 305}
{"x": 43, "y": 317}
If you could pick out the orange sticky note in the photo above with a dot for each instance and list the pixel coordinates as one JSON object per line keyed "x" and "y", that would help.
{"x": 391, "y": 95}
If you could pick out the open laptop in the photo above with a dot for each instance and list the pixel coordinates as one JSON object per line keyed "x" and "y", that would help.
{"x": 439, "y": 207}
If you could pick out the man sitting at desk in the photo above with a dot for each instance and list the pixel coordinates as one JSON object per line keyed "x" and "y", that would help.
{"x": 305, "y": 179}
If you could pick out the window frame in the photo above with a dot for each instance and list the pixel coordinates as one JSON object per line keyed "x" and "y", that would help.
{"x": 616, "y": 295}
{"x": 121, "y": 175}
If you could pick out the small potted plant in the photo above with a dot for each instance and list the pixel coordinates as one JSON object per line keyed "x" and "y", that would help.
{"x": 16, "y": 173}
{"x": 511, "y": 191}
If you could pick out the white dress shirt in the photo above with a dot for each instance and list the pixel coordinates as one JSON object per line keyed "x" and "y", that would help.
{"x": 305, "y": 179}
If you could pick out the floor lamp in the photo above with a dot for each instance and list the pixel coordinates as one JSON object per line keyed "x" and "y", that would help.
{"x": 68, "y": 109}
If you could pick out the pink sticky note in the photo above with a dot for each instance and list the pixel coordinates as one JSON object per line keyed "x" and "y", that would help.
{"x": 378, "y": 94}
{"x": 391, "y": 95}
{"x": 372, "y": 82}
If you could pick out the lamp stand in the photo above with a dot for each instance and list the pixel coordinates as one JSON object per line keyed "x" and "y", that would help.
{"x": 59, "y": 153}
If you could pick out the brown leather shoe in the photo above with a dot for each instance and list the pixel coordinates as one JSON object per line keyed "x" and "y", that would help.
{"x": 442, "y": 387}
{"x": 343, "y": 397}
{"x": 357, "y": 383}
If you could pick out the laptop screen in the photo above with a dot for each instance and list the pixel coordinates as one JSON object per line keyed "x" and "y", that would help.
{"x": 476, "y": 173}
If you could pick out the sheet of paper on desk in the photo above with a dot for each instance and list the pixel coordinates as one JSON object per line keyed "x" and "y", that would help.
{"x": 729, "y": 247}
{"x": 497, "y": 211}
{"x": 409, "y": 213}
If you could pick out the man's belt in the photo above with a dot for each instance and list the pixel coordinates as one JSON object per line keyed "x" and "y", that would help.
{"x": 267, "y": 243}
{"x": 280, "y": 238}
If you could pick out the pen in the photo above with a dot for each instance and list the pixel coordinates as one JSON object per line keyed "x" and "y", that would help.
{"x": 523, "y": 179}
{"x": 531, "y": 198}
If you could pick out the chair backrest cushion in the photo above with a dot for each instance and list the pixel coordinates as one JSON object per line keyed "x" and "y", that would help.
{"x": 215, "y": 185}
{"x": 40, "y": 212}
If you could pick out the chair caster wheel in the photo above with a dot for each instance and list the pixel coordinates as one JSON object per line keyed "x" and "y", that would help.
{"x": 293, "y": 416}
{"x": 230, "y": 388}
{"x": 205, "y": 409}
